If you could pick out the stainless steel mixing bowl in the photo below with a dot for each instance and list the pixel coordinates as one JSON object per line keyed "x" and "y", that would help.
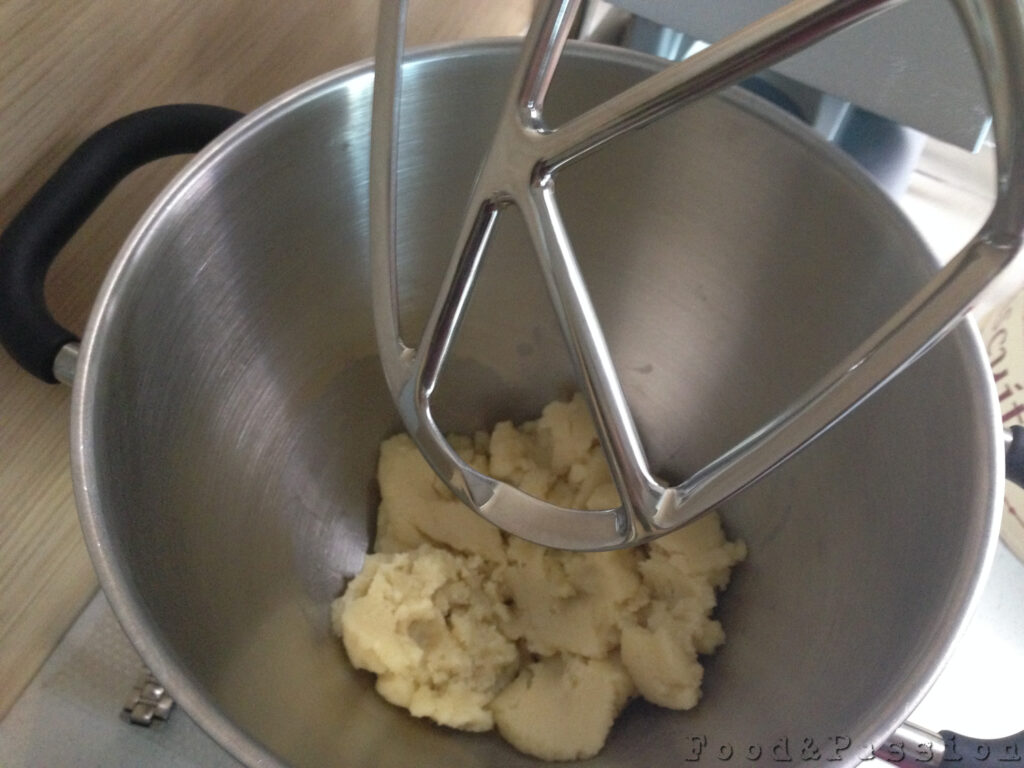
{"x": 228, "y": 408}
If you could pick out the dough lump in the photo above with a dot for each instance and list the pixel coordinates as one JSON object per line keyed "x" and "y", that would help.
{"x": 426, "y": 622}
{"x": 477, "y": 629}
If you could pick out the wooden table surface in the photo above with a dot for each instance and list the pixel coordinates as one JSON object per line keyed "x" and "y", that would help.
{"x": 66, "y": 69}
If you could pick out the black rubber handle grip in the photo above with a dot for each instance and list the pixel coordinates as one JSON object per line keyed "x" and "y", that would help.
{"x": 1015, "y": 456}
{"x": 48, "y": 221}
{"x": 965, "y": 752}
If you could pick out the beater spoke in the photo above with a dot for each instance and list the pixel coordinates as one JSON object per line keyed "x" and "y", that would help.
{"x": 929, "y": 316}
{"x": 542, "y": 49}
{"x": 772, "y": 38}
{"x": 387, "y": 86}
{"x": 591, "y": 357}
{"x": 996, "y": 31}
{"x": 454, "y": 298}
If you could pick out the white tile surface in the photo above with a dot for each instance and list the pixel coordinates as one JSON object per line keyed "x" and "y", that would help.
{"x": 71, "y": 714}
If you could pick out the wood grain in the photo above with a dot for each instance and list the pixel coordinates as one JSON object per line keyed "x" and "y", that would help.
{"x": 67, "y": 69}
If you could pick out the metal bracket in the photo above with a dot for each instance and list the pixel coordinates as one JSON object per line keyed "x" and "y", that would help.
{"x": 148, "y": 700}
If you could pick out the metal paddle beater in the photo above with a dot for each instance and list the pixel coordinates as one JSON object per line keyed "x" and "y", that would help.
{"x": 521, "y": 169}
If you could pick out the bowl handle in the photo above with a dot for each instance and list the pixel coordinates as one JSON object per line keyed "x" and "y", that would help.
{"x": 912, "y": 746}
{"x": 52, "y": 216}
{"x": 1015, "y": 454}
{"x": 966, "y": 752}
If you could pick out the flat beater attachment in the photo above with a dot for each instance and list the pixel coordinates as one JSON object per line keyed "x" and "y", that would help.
{"x": 522, "y": 168}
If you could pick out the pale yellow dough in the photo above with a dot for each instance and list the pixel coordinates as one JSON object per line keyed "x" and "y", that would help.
{"x": 426, "y": 621}
{"x": 475, "y": 629}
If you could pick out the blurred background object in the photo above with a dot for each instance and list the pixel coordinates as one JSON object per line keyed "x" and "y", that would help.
{"x": 876, "y": 89}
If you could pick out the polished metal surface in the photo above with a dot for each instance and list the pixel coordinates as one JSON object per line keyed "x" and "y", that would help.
{"x": 229, "y": 403}
{"x": 520, "y": 170}
{"x": 149, "y": 701}
{"x": 911, "y": 746}
{"x": 65, "y": 362}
